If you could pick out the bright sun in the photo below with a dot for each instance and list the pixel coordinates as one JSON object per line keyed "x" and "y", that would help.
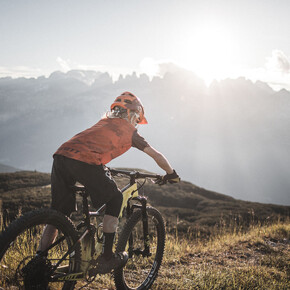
{"x": 208, "y": 51}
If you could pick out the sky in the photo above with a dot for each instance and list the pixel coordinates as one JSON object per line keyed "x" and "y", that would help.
{"x": 216, "y": 39}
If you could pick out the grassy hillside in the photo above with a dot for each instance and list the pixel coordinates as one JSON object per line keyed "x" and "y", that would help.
{"x": 186, "y": 207}
{"x": 23, "y": 191}
{"x": 191, "y": 208}
{"x": 213, "y": 241}
{"x": 23, "y": 179}
{"x": 256, "y": 259}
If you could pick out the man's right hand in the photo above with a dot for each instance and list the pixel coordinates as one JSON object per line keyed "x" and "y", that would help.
{"x": 171, "y": 178}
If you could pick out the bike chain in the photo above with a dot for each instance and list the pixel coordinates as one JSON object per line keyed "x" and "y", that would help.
{"x": 89, "y": 279}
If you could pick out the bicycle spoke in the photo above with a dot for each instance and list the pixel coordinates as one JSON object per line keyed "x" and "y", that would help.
{"x": 141, "y": 268}
{"x": 19, "y": 264}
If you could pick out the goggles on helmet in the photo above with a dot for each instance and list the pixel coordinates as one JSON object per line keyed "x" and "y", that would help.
{"x": 131, "y": 103}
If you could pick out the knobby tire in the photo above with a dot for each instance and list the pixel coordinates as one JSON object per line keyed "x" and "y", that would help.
{"x": 18, "y": 245}
{"x": 140, "y": 272}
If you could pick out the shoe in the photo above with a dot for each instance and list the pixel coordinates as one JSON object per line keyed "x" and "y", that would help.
{"x": 104, "y": 266}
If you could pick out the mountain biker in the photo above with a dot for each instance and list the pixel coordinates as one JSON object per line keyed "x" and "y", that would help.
{"x": 82, "y": 159}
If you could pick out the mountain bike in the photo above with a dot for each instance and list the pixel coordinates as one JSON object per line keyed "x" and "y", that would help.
{"x": 72, "y": 255}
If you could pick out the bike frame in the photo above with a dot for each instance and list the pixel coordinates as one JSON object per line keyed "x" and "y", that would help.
{"x": 130, "y": 192}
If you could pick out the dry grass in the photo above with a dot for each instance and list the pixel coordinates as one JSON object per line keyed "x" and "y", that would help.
{"x": 257, "y": 259}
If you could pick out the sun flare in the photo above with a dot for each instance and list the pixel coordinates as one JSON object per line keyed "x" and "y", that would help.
{"x": 209, "y": 52}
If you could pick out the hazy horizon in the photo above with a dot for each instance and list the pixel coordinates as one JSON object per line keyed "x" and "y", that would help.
{"x": 214, "y": 39}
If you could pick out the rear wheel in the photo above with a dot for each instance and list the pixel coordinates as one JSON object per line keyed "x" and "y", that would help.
{"x": 21, "y": 268}
{"x": 142, "y": 267}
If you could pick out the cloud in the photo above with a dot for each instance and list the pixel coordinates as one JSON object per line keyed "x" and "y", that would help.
{"x": 275, "y": 72}
{"x": 114, "y": 71}
{"x": 149, "y": 66}
{"x": 169, "y": 66}
{"x": 153, "y": 67}
{"x": 20, "y": 71}
{"x": 64, "y": 64}
{"x": 278, "y": 62}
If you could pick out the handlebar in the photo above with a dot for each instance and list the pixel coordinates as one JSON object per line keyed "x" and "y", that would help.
{"x": 134, "y": 174}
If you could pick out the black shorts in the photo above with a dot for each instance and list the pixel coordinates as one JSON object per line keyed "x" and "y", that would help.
{"x": 101, "y": 187}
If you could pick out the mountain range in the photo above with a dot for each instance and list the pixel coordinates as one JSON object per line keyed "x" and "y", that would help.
{"x": 231, "y": 137}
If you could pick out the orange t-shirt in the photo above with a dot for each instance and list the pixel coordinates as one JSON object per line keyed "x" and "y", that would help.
{"x": 106, "y": 140}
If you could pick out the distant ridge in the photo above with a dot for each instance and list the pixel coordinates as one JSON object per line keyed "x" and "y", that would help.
{"x": 185, "y": 207}
{"x": 6, "y": 168}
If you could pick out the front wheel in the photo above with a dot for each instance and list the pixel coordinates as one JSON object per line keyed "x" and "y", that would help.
{"x": 22, "y": 268}
{"x": 143, "y": 264}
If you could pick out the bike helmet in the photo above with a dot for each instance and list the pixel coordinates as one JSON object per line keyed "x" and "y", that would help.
{"x": 132, "y": 103}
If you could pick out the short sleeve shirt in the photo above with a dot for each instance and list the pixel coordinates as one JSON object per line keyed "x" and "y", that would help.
{"x": 138, "y": 141}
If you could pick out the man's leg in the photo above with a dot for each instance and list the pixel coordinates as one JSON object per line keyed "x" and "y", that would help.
{"x": 63, "y": 198}
{"x": 108, "y": 260}
{"x": 110, "y": 223}
{"x": 103, "y": 190}
{"x": 48, "y": 236}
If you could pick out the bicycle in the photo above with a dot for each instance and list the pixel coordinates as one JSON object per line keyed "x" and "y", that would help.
{"x": 71, "y": 257}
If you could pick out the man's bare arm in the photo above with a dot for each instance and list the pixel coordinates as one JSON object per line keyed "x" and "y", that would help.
{"x": 159, "y": 159}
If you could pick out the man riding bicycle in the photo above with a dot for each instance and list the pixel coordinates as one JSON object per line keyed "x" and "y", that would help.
{"x": 82, "y": 159}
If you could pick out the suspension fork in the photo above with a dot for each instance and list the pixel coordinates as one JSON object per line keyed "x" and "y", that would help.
{"x": 143, "y": 206}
